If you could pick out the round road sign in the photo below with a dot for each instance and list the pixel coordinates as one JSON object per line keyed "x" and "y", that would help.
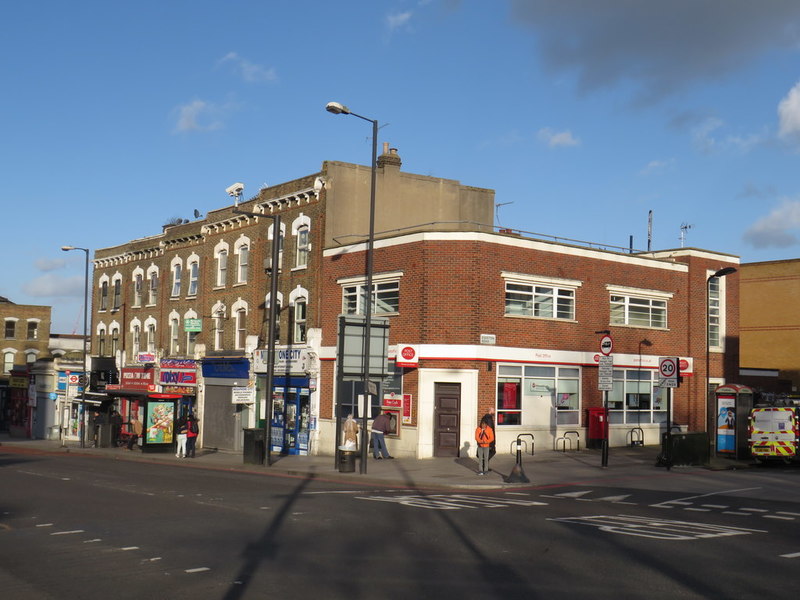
{"x": 606, "y": 344}
{"x": 668, "y": 367}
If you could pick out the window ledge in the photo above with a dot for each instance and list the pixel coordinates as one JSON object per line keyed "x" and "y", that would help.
{"x": 535, "y": 318}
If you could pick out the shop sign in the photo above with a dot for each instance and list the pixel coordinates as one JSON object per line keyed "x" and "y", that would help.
{"x": 18, "y": 382}
{"x": 287, "y": 360}
{"x": 226, "y": 368}
{"x": 146, "y": 357}
{"x": 243, "y": 395}
{"x": 179, "y": 389}
{"x": 177, "y": 377}
{"x": 192, "y": 325}
{"x": 407, "y": 356}
{"x": 133, "y": 378}
{"x": 402, "y": 402}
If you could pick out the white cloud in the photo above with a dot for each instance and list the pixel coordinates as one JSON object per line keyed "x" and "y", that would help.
{"x": 50, "y": 264}
{"x": 556, "y": 139}
{"x": 657, "y": 166}
{"x": 54, "y": 286}
{"x": 707, "y": 138}
{"x": 197, "y": 115}
{"x": 249, "y": 71}
{"x": 398, "y": 20}
{"x": 779, "y": 229}
{"x": 789, "y": 114}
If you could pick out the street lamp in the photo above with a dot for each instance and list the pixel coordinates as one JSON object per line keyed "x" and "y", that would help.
{"x": 339, "y": 109}
{"x": 85, "y": 340}
{"x": 273, "y": 303}
{"x": 709, "y": 408}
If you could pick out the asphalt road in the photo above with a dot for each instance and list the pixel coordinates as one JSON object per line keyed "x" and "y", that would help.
{"x": 83, "y": 527}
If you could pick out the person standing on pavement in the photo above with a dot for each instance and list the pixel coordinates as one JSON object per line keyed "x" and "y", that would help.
{"x": 380, "y": 427}
{"x": 489, "y": 418}
{"x": 116, "y": 428}
{"x": 192, "y": 431}
{"x": 484, "y": 436}
{"x": 135, "y": 431}
{"x": 183, "y": 429}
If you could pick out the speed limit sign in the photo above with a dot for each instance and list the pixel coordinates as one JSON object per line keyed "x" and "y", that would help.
{"x": 668, "y": 372}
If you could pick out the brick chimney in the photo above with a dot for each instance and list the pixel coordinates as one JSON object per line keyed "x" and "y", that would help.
{"x": 389, "y": 158}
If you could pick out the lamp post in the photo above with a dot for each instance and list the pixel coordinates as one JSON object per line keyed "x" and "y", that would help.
{"x": 709, "y": 408}
{"x": 339, "y": 109}
{"x": 273, "y": 302}
{"x": 85, "y": 340}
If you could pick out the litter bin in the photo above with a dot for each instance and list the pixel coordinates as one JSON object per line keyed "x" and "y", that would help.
{"x": 104, "y": 435}
{"x": 347, "y": 461}
{"x": 684, "y": 449}
{"x": 254, "y": 446}
{"x": 597, "y": 426}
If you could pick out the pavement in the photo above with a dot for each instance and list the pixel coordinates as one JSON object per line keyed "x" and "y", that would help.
{"x": 544, "y": 468}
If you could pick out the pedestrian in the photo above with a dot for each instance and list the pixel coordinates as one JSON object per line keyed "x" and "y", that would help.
{"x": 95, "y": 422}
{"x": 192, "y": 431}
{"x": 489, "y": 418}
{"x": 380, "y": 427}
{"x": 116, "y": 428}
{"x": 484, "y": 435}
{"x": 350, "y": 433}
{"x": 135, "y": 432}
{"x": 183, "y": 430}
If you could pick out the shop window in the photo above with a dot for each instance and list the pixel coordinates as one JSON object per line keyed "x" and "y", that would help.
{"x": 521, "y": 392}
{"x": 636, "y": 399}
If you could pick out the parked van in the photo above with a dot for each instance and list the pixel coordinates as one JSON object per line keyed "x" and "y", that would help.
{"x": 775, "y": 433}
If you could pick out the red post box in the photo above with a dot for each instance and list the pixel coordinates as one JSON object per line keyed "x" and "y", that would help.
{"x": 597, "y": 427}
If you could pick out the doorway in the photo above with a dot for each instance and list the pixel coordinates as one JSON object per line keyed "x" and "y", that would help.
{"x": 447, "y": 419}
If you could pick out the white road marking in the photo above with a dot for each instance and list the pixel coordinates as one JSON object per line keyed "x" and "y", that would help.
{"x": 694, "y": 509}
{"x": 615, "y": 499}
{"x": 737, "y": 513}
{"x": 755, "y": 510}
{"x": 792, "y": 555}
{"x": 68, "y": 532}
{"x": 452, "y": 501}
{"x": 44, "y": 525}
{"x": 127, "y": 548}
{"x": 92, "y": 541}
{"x": 791, "y": 514}
{"x": 779, "y": 517}
{"x": 718, "y": 506}
{"x": 197, "y": 570}
{"x": 661, "y": 529}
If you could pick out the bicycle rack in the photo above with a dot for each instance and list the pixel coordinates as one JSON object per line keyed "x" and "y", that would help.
{"x": 517, "y": 474}
{"x": 636, "y": 437}
{"x": 566, "y": 438}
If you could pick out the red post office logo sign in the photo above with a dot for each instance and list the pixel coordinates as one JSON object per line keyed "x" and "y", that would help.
{"x": 407, "y": 356}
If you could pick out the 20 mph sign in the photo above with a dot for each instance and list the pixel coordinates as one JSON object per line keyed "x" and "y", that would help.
{"x": 668, "y": 372}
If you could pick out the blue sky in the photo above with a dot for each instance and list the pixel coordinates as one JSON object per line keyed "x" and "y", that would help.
{"x": 583, "y": 115}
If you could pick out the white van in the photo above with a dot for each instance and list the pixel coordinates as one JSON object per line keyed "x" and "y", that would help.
{"x": 774, "y": 433}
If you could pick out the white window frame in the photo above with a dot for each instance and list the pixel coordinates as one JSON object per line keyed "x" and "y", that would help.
{"x": 567, "y": 381}
{"x": 631, "y": 387}
{"x": 174, "y": 333}
{"x": 13, "y": 322}
{"x": 138, "y": 286}
{"x": 116, "y": 283}
{"x": 152, "y": 285}
{"x": 717, "y": 306}
{"x": 151, "y": 334}
{"x": 9, "y": 356}
{"x": 242, "y": 251}
{"x": 194, "y": 277}
{"x": 35, "y": 324}
{"x": 654, "y": 301}
{"x": 136, "y": 337}
{"x": 218, "y": 325}
{"x": 536, "y": 293}
{"x": 385, "y": 292}
{"x": 301, "y": 230}
{"x": 176, "y": 267}
{"x": 103, "y": 293}
{"x": 191, "y": 336}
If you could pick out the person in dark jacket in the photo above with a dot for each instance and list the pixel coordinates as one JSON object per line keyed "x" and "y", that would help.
{"x": 380, "y": 427}
{"x": 192, "y": 431}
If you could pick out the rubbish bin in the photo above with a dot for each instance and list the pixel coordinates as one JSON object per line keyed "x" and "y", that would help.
{"x": 685, "y": 449}
{"x": 104, "y": 435}
{"x": 597, "y": 426}
{"x": 254, "y": 446}
{"x": 347, "y": 461}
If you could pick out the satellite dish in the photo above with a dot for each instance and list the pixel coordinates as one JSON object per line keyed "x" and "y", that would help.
{"x": 319, "y": 183}
{"x": 197, "y": 214}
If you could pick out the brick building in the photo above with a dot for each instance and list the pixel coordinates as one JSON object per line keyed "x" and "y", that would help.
{"x": 476, "y": 318}
{"x": 770, "y": 355}
{"x": 26, "y": 331}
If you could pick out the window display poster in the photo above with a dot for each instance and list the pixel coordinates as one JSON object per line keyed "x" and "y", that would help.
{"x": 726, "y": 424}
{"x": 159, "y": 422}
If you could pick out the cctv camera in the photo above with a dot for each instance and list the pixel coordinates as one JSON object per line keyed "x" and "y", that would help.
{"x": 235, "y": 189}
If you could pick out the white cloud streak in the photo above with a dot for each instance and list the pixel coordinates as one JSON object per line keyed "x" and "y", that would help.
{"x": 789, "y": 115}
{"x": 778, "y": 229}
{"x": 557, "y": 139}
{"x": 249, "y": 71}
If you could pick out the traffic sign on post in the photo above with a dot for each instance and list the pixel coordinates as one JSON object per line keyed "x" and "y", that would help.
{"x": 668, "y": 372}
{"x": 606, "y": 345}
{"x": 605, "y": 374}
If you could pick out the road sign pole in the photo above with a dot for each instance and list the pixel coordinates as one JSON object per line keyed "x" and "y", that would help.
{"x": 604, "y": 443}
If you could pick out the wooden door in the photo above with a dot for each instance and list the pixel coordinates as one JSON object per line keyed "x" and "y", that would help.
{"x": 447, "y": 419}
